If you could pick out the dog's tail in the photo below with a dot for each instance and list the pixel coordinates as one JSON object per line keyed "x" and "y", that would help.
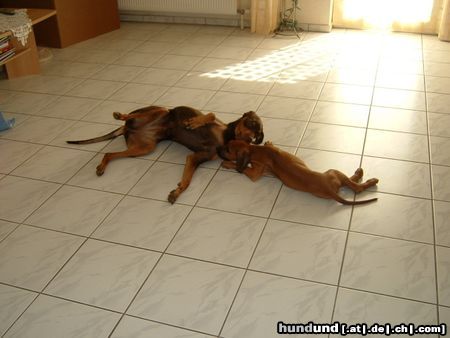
{"x": 119, "y": 131}
{"x": 345, "y": 202}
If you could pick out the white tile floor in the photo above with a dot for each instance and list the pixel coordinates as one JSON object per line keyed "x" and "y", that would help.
{"x": 83, "y": 256}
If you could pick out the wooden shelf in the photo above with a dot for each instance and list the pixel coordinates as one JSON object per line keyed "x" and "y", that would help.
{"x": 15, "y": 56}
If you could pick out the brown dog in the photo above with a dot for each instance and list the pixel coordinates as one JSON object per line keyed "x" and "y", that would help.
{"x": 202, "y": 134}
{"x": 292, "y": 171}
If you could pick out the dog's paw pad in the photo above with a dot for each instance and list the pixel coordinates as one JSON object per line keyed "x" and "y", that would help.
{"x": 172, "y": 196}
{"x": 99, "y": 171}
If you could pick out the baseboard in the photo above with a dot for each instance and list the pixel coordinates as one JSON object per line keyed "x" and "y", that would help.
{"x": 233, "y": 21}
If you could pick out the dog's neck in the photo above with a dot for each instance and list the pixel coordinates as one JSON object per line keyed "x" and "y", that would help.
{"x": 228, "y": 133}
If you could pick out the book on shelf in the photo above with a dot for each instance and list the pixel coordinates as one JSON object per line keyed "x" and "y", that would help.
{"x": 6, "y": 49}
{"x": 6, "y": 55}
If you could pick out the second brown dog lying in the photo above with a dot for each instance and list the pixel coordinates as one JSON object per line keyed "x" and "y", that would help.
{"x": 292, "y": 171}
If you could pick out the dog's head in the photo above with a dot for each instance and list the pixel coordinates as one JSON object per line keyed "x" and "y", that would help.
{"x": 236, "y": 150}
{"x": 249, "y": 128}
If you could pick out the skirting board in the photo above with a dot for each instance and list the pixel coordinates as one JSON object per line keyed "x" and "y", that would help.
{"x": 184, "y": 19}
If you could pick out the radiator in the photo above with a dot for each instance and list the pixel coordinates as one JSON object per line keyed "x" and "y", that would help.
{"x": 221, "y": 7}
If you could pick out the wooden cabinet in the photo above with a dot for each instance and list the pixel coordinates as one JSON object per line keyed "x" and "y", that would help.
{"x": 77, "y": 20}
{"x": 26, "y": 60}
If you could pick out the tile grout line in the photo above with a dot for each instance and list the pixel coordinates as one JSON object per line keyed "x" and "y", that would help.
{"x": 338, "y": 286}
{"x": 430, "y": 167}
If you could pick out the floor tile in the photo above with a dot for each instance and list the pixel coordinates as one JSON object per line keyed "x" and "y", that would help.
{"x": 437, "y": 56}
{"x": 438, "y": 103}
{"x": 437, "y": 69}
{"x": 15, "y": 153}
{"x": 335, "y": 138}
{"x": 104, "y": 275}
{"x": 24, "y": 103}
{"x": 286, "y": 108}
{"x": 218, "y": 236}
{"x": 96, "y": 89}
{"x": 439, "y": 153}
{"x": 354, "y": 307}
{"x": 83, "y": 131}
{"x": 442, "y": 217}
{"x": 297, "y": 89}
{"x": 19, "y": 197}
{"x": 292, "y": 300}
{"x": 120, "y": 176}
{"x": 53, "y": 164}
{"x": 441, "y": 182}
{"x": 399, "y": 177}
{"x": 400, "y": 65}
{"x": 259, "y": 86}
{"x": 47, "y": 84}
{"x": 396, "y": 98}
{"x": 234, "y": 102}
{"x": 438, "y": 84}
{"x": 71, "y": 108}
{"x": 283, "y": 132}
{"x": 193, "y": 49}
{"x": 369, "y": 259}
{"x": 30, "y": 257}
{"x": 352, "y": 76}
{"x": 103, "y": 112}
{"x": 443, "y": 272}
{"x": 138, "y": 59}
{"x": 346, "y": 93}
{"x": 6, "y": 228}
{"x": 73, "y": 69}
{"x": 185, "y": 96}
{"x": 13, "y": 302}
{"x": 231, "y": 52}
{"x": 341, "y": 113}
{"x": 74, "y": 210}
{"x": 155, "y": 76}
{"x": 139, "y": 93}
{"x": 439, "y": 124}
{"x": 400, "y": 81}
{"x": 192, "y": 294}
{"x": 63, "y": 319}
{"x": 181, "y": 62}
{"x": 100, "y": 56}
{"x": 162, "y": 178}
{"x": 412, "y": 121}
{"x": 408, "y": 147}
{"x": 395, "y": 216}
{"x": 444, "y": 315}
{"x": 199, "y": 80}
{"x": 118, "y": 73}
{"x": 300, "y": 251}
{"x": 37, "y": 130}
{"x": 302, "y": 207}
{"x": 235, "y": 192}
{"x": 143, "y": 223}
{"x": 131, "y": 327}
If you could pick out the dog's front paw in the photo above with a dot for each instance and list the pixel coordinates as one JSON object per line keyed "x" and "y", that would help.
{"x": 100, "y": 170}
{"x": 268, "y": 143}
{"x": 173, "y": 195}
{"x": 192, "y": 123}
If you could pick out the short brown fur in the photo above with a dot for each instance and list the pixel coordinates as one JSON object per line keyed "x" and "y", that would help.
{"x": 292, "y": 171}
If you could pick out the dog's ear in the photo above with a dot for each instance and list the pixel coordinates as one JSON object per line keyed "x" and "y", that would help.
{"x": 242, "y": 159}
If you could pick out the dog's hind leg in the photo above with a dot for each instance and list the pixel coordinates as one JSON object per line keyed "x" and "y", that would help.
{"x": 348, "y": 182}
{"x": 357, "y": 176}
{"x": 133, "y": 151}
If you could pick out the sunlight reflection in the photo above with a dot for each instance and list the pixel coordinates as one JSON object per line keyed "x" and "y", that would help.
{"x": 303, "y": 60}
{"x": 382, "y": 13}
